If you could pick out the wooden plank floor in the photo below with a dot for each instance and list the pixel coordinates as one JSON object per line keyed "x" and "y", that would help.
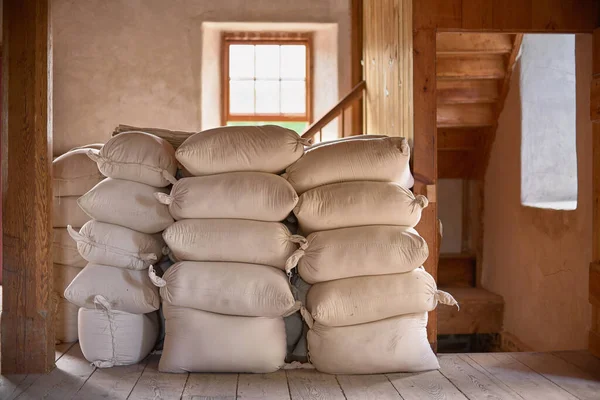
{"x": 499, "y": 376}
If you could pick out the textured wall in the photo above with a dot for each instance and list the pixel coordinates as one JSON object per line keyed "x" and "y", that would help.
{"x": 138, "y": 62}
{"x": 538, "y": 259}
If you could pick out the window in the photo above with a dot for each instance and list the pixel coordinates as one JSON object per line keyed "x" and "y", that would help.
{"x": 548, "y": 122}
{"x": 267, "y": 79}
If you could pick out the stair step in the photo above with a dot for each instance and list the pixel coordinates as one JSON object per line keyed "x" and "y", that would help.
{"x": 481, "y": 311}
{"x": 457, "y": 270}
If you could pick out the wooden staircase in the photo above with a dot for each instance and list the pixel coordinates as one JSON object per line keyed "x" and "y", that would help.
{"x": 473, "y": 75}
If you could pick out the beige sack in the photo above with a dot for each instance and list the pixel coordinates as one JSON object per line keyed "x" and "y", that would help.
{"x": 73, "y": 173}
{"x": 359, "y": 251}
{"x": 63, "y": 276}
{"x": 65, "y": 321}
{"x": 66, "y": 211}
{"x": 397, "y": 344}
{"x": 96, "y": 146}
{"x": 267, "y": 148}
{"x": 200, "y": 341}
{"x": 244, "y": 195}
{"x": 227, "y": 288}
{"x": 126, "y": 203}
{"x": 255, "y": 242}
{"x": 342, "y": 205}
{"x": 64, "y": 249}
{"x": 109, "y": 338}
{"x": 117, "y": 246}
{"x": 138, "y": 157}
{"x": 125, "y": 289}
{"x": 353, "y": 301}
{"x": 371, "y": 159}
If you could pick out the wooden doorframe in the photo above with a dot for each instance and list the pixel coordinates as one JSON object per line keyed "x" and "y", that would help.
{"x": 507, "y": 16}
{"x": 27, "y": 339}
{"x": 594, "y": 286}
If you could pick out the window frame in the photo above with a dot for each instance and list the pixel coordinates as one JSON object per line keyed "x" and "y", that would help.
{"x": 254, "y": 38}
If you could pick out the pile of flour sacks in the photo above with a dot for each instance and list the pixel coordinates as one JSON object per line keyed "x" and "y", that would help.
{"x": 244, "y": 249}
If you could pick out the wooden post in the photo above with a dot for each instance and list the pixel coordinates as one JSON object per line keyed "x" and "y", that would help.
{"x": 27, "y": 315}
{"x": 356, "y": 113}
{"x": 594, "y": 335}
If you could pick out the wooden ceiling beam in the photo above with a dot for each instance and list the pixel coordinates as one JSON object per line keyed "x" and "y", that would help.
{"x": 471, "y": 67}
{"x": 465, "y": 115}
{"x": 456, "y": 43}
{"x": 467, "y": 91}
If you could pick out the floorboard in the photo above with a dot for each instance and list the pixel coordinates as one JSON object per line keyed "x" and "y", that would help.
{"x": 430, "y": 385}
{"x": 583, "y": 360}
{"x": 111, "y": 383}
{"x": 61, "y": 349}
{"x": 363, "y": 387}
{"x": 11, "y": 386}
{"x": 211, "y": 386}
{"x": 263, "y": 386}
{"x": 575, "y": 381}
{"x": 519, "y": 377}
{"x": 472, "y": 380}
{"x": 154, "y": 385}
{"x": 71, "y": 372}
{"x": 313, "y": 385}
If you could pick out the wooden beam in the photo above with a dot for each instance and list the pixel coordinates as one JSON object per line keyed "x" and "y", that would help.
{"x": 450, "y": 139}
{"x": 356, "y": 113}
{"x": 471, "y": 67}
{"x": 467, "y": 91}
{"x": 459, "y": 43}
{"x": 456, "y": 164}
{"x": 594, "y": 284}
{"x": 595, "y": 99}
{"x": 457, "y": 115}
{"x": 480, "y": 312}
{"x": 27, "y": 315}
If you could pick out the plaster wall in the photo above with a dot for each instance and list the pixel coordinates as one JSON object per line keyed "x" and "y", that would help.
{"x": 139, "y": 62}
{"x": 537, "y": 259}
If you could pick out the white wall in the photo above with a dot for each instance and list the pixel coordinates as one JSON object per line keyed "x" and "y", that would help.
{"x": 139, "y": 62}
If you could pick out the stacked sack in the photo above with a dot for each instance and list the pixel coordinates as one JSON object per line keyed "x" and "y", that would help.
{"x": 118, "y": 322}
{"x": 367, "y": 307}
{"x": 73, "y": 174}
{"x": 225, "y": 299}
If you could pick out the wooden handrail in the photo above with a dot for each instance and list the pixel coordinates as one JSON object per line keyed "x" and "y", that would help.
{"x": 355, "y": 94}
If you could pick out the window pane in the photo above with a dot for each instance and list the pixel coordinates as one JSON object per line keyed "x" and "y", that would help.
{"x": 241, "y": 61}
{"x": 293, "y": 97}
{"x": 267, "y": 97}
{"x": 267, "y": 61}
{"x": 293, "y": 62}
{"x": 241, "y": 97}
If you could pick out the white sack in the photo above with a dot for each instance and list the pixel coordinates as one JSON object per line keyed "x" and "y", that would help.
{"x": 383, "y": 159}
{"x": 255, "y": 242}
{"x": 125, "y": 289}
{"x": 138, "y": 157}
{"x": 63, "y": 276}
{"x": 267, "y": 148}
{"x": 96, "y": 146}
{"x": 117, "y": 246}
{"x": 109, "y": 338}
{"x": 397, "y": 344}
{"x": 64, "y": 249}
{"x": 243, "y": 195}
{"x": 66, "y": 211}
{"x": 359, "y": 251}
{"x": 227, "y": 288}
{"x": 73, "y": 173}
{"x": 126, "y": 203}
{"x": 342, "y": 205}
{"x": 200, "y": 341}
{"x": 65, "y": 321}
{"x": 353, "y": 301}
